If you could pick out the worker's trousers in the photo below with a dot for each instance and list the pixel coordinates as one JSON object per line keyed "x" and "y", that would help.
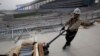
{"x": 70, "y": 36}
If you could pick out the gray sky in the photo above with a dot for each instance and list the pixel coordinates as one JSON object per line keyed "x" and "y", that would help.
{"x": 11, "y": 4}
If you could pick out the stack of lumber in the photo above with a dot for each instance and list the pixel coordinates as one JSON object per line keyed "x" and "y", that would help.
{"x": 28, "y": 48}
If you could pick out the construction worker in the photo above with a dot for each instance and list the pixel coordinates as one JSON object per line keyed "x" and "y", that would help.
{"x": 74, "y": 24}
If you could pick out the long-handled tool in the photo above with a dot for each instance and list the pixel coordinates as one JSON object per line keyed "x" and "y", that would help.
{"x": 46, "y": 51}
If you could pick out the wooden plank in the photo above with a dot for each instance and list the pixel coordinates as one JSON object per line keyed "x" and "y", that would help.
{"x": 17, "y": 51}
{"x": 35, "y": 50}
{"x": 14, "y": 51}
{"x": 41, "y": 51}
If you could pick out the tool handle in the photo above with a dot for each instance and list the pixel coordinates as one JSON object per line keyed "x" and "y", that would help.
{"x": 56, "y": 37}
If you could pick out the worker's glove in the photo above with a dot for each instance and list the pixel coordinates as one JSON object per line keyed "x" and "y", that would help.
{"x": 63, "y": 28}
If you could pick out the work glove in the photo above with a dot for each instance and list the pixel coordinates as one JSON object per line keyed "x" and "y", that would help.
{"x": 63, "y": 28}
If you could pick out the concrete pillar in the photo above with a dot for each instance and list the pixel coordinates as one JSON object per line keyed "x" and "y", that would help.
{"x": 32, "y": 7}
{"x": 40, "y": 3}
{"x": 35, "y": 6}
{"x": 28, "y": 7}
{"x": 12, "y": 34}
{"x": 43, "y": 2}
{"x": 23, "y": 8}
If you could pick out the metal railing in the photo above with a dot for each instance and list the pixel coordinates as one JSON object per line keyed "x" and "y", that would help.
{"x": 91, "y": 15}
{"x": 13, "y": 33}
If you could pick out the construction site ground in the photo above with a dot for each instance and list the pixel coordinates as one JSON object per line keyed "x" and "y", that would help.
{"x": 86, "y": 42}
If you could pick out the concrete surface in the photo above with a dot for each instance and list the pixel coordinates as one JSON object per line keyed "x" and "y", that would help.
{"x": 5, "y": 46}
{"x": 86, "y": 43}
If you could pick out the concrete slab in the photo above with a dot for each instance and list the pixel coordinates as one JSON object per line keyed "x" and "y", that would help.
{"x": 5, "y": 46}
{"x": 86, "y": 43}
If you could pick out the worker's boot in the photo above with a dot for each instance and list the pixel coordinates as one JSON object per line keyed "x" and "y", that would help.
{"x": 67, "y": 44}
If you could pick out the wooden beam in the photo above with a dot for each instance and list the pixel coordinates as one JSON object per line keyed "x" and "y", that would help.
{"x": 36, "y": 53}
{"x": 41, "y": 51}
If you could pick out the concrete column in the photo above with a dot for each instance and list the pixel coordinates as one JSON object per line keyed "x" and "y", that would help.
{"x": 23, "y": 8}
{"x": 43, "y": 2}
{"x": 40, "y": 3}
{"x": 31, "y": 7}
{"x": 28, "y": 8}
{"x": 34, "y": 6}
{"x": 37, "y": 5}
{"x": 12, "y": 34}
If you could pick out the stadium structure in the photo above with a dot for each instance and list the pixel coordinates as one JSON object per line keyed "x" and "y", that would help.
{"x": 51, "y": 4}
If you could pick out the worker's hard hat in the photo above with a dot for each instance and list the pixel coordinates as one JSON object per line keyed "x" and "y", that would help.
{"x": 77, "y": 11}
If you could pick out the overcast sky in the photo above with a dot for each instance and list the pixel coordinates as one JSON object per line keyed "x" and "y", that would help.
{"x": 11, "y": 4}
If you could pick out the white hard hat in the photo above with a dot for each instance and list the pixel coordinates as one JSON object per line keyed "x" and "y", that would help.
{"x": 77, "y": 11}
